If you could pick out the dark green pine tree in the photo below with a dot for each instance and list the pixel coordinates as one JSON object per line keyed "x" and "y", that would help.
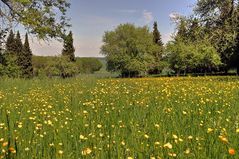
{"x": 158, "y": 55}
{"x": 157, "y": 35}
{"x": 1, "y": 57}
{"x": 26, "y": 60}
{"x": 69, "y": 49}
{"x": 19, "y": 48}
{"x": 11, "y": 44}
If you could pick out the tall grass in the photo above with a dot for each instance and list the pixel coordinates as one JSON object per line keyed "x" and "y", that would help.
{"x": 119, "y": 118}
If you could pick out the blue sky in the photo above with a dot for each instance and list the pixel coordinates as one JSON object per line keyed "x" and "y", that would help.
{"x": 91, "y": 18}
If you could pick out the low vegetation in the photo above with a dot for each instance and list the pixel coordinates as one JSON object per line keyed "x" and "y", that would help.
{"x": 119, "y": 118}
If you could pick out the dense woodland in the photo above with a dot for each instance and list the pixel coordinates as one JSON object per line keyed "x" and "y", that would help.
{"x": 206, "y": 42}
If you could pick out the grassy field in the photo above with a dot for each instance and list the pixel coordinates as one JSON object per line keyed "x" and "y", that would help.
{"x": 120, "y": 118}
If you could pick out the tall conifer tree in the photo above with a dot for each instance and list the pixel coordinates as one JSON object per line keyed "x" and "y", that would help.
{"x": 19, "y": 46}
{"x": 11, "y": 44}
{"x": 26, "y": 59}
{"x": 69, "y": 49}
{"x": 158, "y": 54}
{"x": 157, "y": 35}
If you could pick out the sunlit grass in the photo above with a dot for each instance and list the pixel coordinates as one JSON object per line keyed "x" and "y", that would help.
{"x": 120, "y": 118}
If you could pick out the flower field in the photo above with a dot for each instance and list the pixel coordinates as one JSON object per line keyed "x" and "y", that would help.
{"x": 155, "y": 118}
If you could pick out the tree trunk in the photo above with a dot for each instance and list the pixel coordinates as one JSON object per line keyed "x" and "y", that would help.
{"x": 178, "y": 73}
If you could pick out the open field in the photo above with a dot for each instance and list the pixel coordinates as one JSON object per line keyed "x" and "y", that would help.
{"x": 120, "y": 118}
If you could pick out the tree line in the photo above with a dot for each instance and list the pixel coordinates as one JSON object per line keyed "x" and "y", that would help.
{"x": 17, "y": 60}
{"x": 205, "y": 42}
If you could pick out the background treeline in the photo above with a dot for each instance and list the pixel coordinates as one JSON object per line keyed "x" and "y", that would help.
{"x": 47, "y": 65}
{"x": 17, "y": 60}
{"x": 206, "y": 42}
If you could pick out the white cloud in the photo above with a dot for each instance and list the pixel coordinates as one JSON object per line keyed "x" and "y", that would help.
{"x": 174, "y": 16}
{"x": 148, "y": 16}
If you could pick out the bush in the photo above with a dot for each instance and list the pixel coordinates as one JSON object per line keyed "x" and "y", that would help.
{"x": 9, "y": 67}
{"x": 88, "y": 65}
{"x": 61, "y": 66}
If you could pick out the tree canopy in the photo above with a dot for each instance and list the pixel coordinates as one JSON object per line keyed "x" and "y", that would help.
{"x": 44, "y": 18}
{"x": 129, "y": 50}
{"x": 68, "y": 48}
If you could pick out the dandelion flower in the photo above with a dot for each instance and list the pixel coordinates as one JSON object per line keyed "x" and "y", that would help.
{"x": 190, "y": 137}
{"x": 172, "y": 154}
{"x": 231, "y": 151}
{"x": 86, "y": 151}
{"x": 209, "y": 130}
{"x": 4, "y": 144}
{"x": 237, "y": 130}
{"x": 175, "y": 136}
{"x": 99, "y": 126}
{"x": 146, "y": 136}
{"x": 168, "y": 145}
{"x": 223, "y": 139}
{"x": 60, "y": 152}
{"x": 12, "y": 150}
{"x": 187, "y": 151}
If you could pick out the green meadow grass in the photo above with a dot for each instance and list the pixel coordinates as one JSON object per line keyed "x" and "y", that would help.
{"x": 119, "y": 118}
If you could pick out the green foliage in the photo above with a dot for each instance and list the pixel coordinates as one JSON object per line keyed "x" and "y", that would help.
{"x": 146, "y": 118}
{"x": 19, "y": 49}
{"x": 9, "y": 68}
{"x": 220, "y": 24}
{"x": 26, "y": 60}
{"x": 236, "y": 53}
{"x": 88, "y": 65}
{"x": 159, "y": 51}
{"x": 2, "y": 59}
{"x": 127, "y": 46}
{"x": 11, "y": 43}
{"x": 50, "y": 66}
{"x": 61, "y": 66}
{"x": 69, "y": 49}
{"x": 20, "y": 53}
{"x": 46, "y": 19}
{"x": 188, "y": 57}
{"x": 156, "y": 35}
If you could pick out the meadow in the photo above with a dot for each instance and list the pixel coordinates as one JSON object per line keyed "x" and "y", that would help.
{"x": 154, "y": 118}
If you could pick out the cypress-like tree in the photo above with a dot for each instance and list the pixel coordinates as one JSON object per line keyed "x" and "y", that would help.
{"x": 1, "y": 57}
{"x": 157, "y": 35}
{"x": 11, "y": 44}
{"x": 26, "y": 60}
{"x": 19, "y": 45}
{"x": 69, "y": 49}
{"x": 157, "y": 55}
{"x": 18, "y": 49}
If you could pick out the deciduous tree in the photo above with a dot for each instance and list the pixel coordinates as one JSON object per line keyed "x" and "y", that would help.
{"x": 44, "y": 18}
{"x": 129, "y": 50}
